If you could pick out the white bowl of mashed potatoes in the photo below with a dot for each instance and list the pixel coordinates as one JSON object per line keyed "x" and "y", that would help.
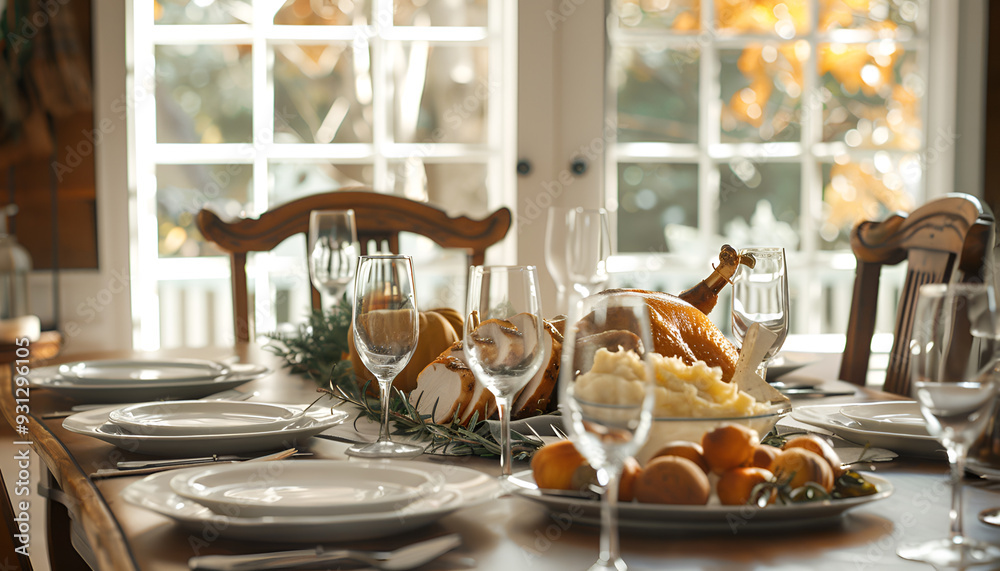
{"x": 690, "y": 399}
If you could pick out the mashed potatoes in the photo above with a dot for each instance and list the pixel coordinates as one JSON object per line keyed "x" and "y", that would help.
{"x": 682, "y": 391}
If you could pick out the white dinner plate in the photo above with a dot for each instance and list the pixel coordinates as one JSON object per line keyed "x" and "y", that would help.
{"x": 189, "y": 417}
{"x": 131, "y": 371}
{"x": 829, "y": 417}
{"x": 461, "y": 488}
{"x": 314, "y": 488}
{"x": 48, "y": 378}
{"x": 655, "y": 518}
{"x": 901, "y": 417}
{"x": 95, "y": 423}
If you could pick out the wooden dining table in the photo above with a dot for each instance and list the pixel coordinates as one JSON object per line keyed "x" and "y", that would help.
{"x": 510, "y": 532}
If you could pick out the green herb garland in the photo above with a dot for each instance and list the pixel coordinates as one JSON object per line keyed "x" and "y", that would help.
{"x": 319, "y": 351}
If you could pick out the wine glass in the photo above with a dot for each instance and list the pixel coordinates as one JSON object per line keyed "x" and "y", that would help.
{"x": 953, "y": 360}
{"x": 555, "y": 255}
{"x": 385, "y": 333}
{"x": 606, "y": 396}
{"x": 333, "y": 249}
{"x": 588, "y": 246}
{"x": 503, "y": 337}
{"x": 760, "y": 295}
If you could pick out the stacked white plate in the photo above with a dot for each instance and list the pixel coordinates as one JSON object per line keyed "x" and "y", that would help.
{"x": 312, "y": 500}
{"x": 131, "y": 380}
{"x": 192, "y": 428}
{"x": 893, "y": 425}
{"x": 191, "y": 417}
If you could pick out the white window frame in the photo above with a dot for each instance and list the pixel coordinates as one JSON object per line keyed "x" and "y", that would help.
{"x": 819, "y": 274}
{"x": 498, "y": 154}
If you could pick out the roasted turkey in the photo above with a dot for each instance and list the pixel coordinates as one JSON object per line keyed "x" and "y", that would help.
{"x": 446, "y": 389}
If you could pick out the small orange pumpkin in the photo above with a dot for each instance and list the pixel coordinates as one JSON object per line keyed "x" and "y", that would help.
{"x": 439, "y": 328}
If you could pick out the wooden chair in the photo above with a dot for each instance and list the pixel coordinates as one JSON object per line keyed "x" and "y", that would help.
{"x": 945, "y": 240}
{"x": 379, "y": 217}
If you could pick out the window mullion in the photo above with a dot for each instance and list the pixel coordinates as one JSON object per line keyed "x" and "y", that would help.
{"x": 145, "y": 252}
{"x": 708, "y": 124}
{"x": 381, "y": 95}
{"x": 262, "y": 113}
{"x": 811, "y": 189}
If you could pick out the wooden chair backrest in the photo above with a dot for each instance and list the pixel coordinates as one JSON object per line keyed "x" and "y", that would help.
{"x": 379, "y": 217}
{"x": 944, "y": 240}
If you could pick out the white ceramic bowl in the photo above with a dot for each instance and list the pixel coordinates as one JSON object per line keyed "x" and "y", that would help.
{"x": 666, "y": 430}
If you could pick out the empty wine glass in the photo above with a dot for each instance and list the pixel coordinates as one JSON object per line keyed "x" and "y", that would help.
{"x": 555, "y": 255}
{"x": 503, "y": 337}
{"x": 606, "y": 396}
{"x": 385, "y": 333}
{"x": 760, "y": 295}
{"x": 333, "y": 250}
{"x": 953, "y": 360}
{"x": 588, "y": 246}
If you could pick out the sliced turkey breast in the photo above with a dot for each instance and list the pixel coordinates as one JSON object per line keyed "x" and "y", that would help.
{"x": 444, "y": 389}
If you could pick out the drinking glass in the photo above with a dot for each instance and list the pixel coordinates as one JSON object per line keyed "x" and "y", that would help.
{"x": 606, "y": 396}
{"x": 333, "y": 250}
{"x": 953, "y": 359}
{"x": 588, "y": 246}
{"x": 555, "y": 255}
{"x": 760, "y": 295}
{"x": 385, "y": 333}
{"x": 503, "y": 337}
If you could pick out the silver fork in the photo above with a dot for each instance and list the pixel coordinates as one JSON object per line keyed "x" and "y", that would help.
{"x": 408, "y": 557}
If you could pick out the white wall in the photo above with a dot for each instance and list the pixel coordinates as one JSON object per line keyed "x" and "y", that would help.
{"x": 95, "y": 305}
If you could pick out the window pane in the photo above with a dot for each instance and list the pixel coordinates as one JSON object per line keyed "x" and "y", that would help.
{"x": 866, "y": 189}
{"x": 873, "y": 94}
{"x": 657, "y": 94}
{"x": 183, "y": 190}
{"x": 323, "y": 13}
{"x": 202, "y": 12}
{"x": 676, "y": 15}
{"x": 437, "y": 13}
{"x": 654, "y": 201}
{"x": 440, "y": 94}
{"x": 456, "y": 188}
{"x": 896, "y": 19}
{"x": 203, "y": 94}
{"x": 295, "y": 180}
{"x": 759, "y": 203}
{"x": 322, "y": 94}
{"x": 785, "y": 19}
{"x": 761, "y": 86}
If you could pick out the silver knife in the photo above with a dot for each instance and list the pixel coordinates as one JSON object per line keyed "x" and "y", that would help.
{"x": 138, "y": 464}
{"x": 407, "y": 557}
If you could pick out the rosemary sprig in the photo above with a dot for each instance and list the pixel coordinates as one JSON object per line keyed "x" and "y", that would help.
{"x": 319, "y": 351}
{"x": 319, "y": 345}
{"x": 451, "y": 438}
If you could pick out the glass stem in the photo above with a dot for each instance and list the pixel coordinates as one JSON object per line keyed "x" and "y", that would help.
{"x": 503, "y": 404}
{"x": 610, "y": 555}
{"x": 385, "y": 391}
{"x": 956, "y": 455}
{"x": 762, "y": 369}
